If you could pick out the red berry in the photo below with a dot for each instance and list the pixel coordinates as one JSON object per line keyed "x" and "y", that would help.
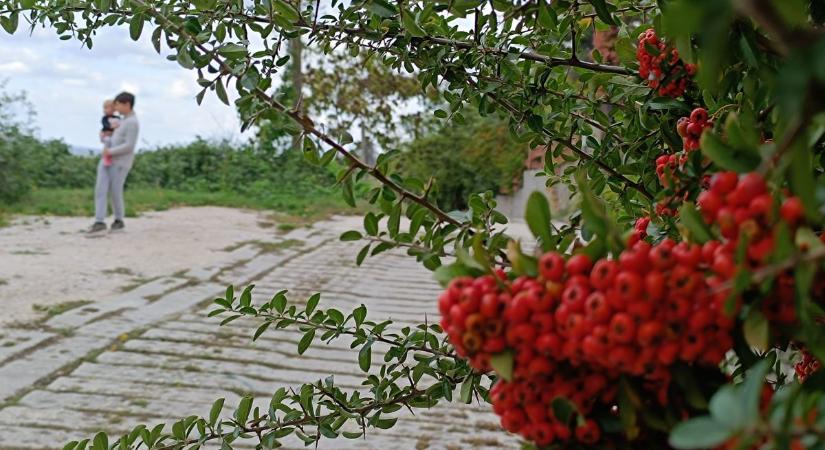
{"x": 628, "y": 285}
{"x": 699, "y": 115}
{"x": 513, "y": 420}
{"x": 603, "y": 273}
{"x": 661, "y": 256}
{"x": 752, "y": 184}
{"x": 551, "y": 266}
{"x": 695, "y": 129}
{"x": 622, "y": 329}
{"x": 792, "y": 210}
{"x": 588, "y": 432}
{"x": 681, "y": 126}
{"x": 723, "y": 182}
{"x": 761, "y": 206}
{"x": 650, "y": 333}
{"x": 579, "y": 264}
{"x": 490, "y": 305}
{"x": 654, "y": 285}
{"x": 596, "y": 307}
{"x": 709, "y": 203}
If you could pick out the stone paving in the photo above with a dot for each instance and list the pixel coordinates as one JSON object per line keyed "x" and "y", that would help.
{"x": 153, "y": 356}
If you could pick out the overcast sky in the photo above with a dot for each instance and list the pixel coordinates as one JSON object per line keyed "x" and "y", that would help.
{"x": 67, "y": 84}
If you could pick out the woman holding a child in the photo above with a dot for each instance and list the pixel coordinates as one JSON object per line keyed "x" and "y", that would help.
{"x": 119, "y": 137}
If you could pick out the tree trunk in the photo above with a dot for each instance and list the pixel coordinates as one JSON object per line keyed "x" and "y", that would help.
{"x": 296, "y": 48}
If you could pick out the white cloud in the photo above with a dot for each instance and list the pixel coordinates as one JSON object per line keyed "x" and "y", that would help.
{"x": 181, "y": 88}
{"x": 75, "y": 81}
{"x": 50, "y": 69}
{"x": 130, "y": 87}
{"x": 13, "y": 68}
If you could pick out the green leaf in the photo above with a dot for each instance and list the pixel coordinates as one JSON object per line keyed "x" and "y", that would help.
{"x": 693, "y": 221}
{"x": 215, "y": 411}
{"x": 285, "y": 9}
{"x": 184, "y": 59}
{"x": 312, "y": 303}
{"x": 751, "y": 396}
{"x": 385, "y": 424}
{"x": 221, "y": 91}
{"x": 727, "y": 157}
{"x": 242, "y": 413}
{"x": 411, "y": 26}
{"x": 466, "y": 395}
{"x": 756, "y": 330}
{"x": 699, "y": 433}
{"x": 246, "y": 296}
{"x": 351, "y": 235}
{"x": 136, "y": 27}
{"x": 306, "y": 341}
{"x": 382, "y": 8}
{"x": 537, "y": 215}
{"x": 260, "y": 330}
{"x": 502, "y": 363}
{"x": 601, "y": 10}
{"x": 359, "y": 315}
{"x": 547, "y": 15}
{"x": 394, "y": 221}
{"x": 371, "y": 224}
{"x": 100, "y": 441}
{"x": 726, "y": 407}
{"x": 279, "y": 302}
{"x": 802, "y": 179}
{"x": 627, "y": 402}
{"x": 365, "y": 356}
{"x": 563, "y": 409}
{"x": 234, "y": 51}
{"x": 362, "y": 255}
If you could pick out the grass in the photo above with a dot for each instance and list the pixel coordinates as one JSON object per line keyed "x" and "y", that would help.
{"x": 298, "y": 209}
{"x": 59, "y": 308}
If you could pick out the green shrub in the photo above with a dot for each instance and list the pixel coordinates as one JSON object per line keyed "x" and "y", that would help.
{"x": 14, "y": 184}
{"x": 479, "y": 156}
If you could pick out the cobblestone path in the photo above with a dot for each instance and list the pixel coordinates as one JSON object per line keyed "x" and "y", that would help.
{"x": 153, "y": 356}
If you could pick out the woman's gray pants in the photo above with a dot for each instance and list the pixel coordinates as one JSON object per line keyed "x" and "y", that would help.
{"x": 110, "y": 181}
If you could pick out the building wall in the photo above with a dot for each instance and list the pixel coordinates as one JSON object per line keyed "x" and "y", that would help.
{"x": 514, "y": 205}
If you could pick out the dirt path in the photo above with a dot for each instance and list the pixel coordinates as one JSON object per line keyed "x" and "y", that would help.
{"x": 47, "y": 264}
{"x": 151, "y": 354}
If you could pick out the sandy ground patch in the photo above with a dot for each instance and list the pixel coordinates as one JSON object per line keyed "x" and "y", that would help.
{"x": 48, "y": 261}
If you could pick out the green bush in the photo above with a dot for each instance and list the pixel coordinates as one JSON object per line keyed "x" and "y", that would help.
{"x": 221, "y": 166}
{"x": 479, "y": 156}
{"x": 13, "y": 182}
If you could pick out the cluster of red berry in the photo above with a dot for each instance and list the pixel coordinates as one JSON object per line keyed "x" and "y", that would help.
{"x": 742, "y": 207}
{"x": 690, "y": 128}
{"x": 583, "y": 322}
{"x": 807, "y": 365}
{"x": 471, "y": 316}
{"x": 661, "y": 67}
{"x": 640, "y": 313}
{"x": 526, "y": 405}
{"x": 667, "y": 168}
{"x": 670, "y": 168}
{"x": 639, "y": 230}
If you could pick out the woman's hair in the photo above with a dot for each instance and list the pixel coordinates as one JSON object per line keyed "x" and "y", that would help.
{"x": 125, "y": 97}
